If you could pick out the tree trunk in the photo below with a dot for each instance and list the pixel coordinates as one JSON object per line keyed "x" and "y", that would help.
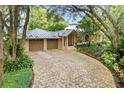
{"x": 25, "y": 26}
{"x": 15, "y": 28}
{"x": 115, "y": 44}
{"x": 1, "y": 51}
{"x": 14, "y": 15}
{"x": 11, "y": 36}
{"x": 1, "y": 58}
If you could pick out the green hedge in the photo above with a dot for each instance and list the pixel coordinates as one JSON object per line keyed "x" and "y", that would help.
{"x": 18, "y": 79}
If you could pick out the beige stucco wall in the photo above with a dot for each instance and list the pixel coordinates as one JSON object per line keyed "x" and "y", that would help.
{"x": 60, "y": 43}
{"x": 66, "y": 42}
{"x": 26, "y": 45}
{"x": 75, "y": 38}
{"x": 45, "y": 44}
{"x": 72, "y": 39}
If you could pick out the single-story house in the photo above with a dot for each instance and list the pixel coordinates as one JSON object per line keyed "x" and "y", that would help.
{"x": 38, "y": 39}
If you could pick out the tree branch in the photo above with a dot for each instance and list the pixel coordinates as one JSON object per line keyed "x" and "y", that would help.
{"x": 109, "y": 16}
{"x": 92, "y": 18}
{"x": 25, "y": 24}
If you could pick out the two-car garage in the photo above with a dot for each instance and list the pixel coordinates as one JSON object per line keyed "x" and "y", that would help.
{"x": 40, "y": 44}
{"x": 39, "y": 39}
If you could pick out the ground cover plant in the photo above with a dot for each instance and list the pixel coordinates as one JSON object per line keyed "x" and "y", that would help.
{"x": 18, "y": 79}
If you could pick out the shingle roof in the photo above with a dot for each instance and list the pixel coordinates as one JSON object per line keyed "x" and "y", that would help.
{"x": 42, "y": 34}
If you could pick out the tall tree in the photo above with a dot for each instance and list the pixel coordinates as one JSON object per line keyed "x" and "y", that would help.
{"x": 25, "y": 25}
{"x": 41, "y": 18}
{"x": 1, "y": 50}
{"x": 16, "y": 16}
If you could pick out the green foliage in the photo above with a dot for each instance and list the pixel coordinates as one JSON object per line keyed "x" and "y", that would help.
{"x": 118, "y": 8}
{"x": 41, "y": 18}
{"x": 89, "y": 49}
{"x": 19, "y": 63}
{"x": 121, "y": 45}
{"x": 20, "y": 50}
{"x": 7, "y": 42}
{"x": 18, "y": 79}
{"x": 88, "y": 25}
{"x": 106, "y": 43}
{"x": 109, "y": 58}
{"x": 122, "y": 77}
{"x": 115, "y": 67}
{"x": 122, "y": 60}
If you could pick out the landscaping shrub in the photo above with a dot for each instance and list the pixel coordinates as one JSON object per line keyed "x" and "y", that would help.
{"x": 109, "y": 58}
{"x": 87, "y": 47}
{"x": 121, "y": 43}
{"x": 106, "y": 42}
{"x": 19, "y": 63}
{"x": 18, "y": 79}
{"x": 122, "y": 77}
{"x": 7, "y": 65}
{"x": 122, "y": 61}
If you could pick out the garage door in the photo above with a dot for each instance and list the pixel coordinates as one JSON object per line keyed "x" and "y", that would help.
{"x": 52, "y": 44}
{"x": 35, "y": 45}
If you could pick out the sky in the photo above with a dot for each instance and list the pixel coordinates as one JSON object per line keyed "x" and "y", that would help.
{"x": 72, "y": 19}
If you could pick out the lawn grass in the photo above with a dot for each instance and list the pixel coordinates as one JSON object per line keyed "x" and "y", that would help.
{"x": 18, "y": 79}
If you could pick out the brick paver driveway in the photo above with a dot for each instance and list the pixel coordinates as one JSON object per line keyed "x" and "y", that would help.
{"x": 57, "y": 68}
